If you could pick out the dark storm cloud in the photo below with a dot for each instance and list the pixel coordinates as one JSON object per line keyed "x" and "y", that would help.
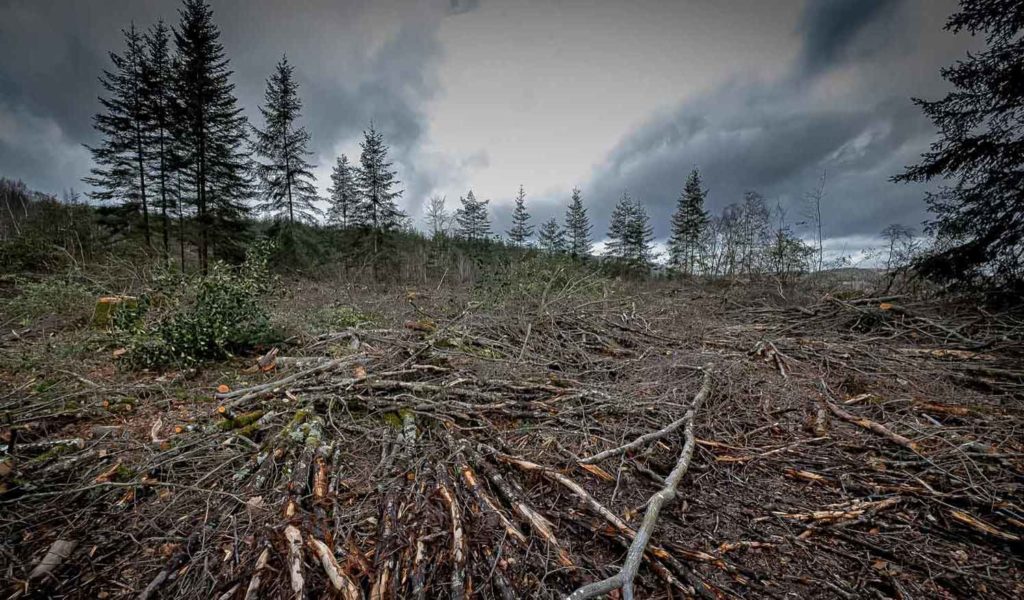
{"x": 356, "y": 62}
{"x": 778, "y": 136}
{"x": 830, "y": 30}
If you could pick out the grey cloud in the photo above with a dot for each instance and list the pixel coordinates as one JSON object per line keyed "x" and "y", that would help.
{"x": 457, "y": 7}
{"x": 830, "y": 29}
{"x": 778, "y": 136}
{"x": 52, "y": 52}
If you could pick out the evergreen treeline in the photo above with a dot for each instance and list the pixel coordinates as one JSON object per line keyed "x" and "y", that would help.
{"x": 178, "y": 161}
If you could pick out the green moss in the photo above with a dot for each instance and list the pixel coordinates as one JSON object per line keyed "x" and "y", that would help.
{"x": 52, "y": 453}
{"x": 393, "y": 419}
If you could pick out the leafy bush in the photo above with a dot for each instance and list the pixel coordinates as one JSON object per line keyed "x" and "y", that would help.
{"x": 212, "y": 317}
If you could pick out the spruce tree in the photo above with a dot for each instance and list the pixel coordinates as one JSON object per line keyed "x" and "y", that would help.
{"x": 550, "y": 237}
{"x": 689, "y": 224}
{"x": 120, "y": 170}
{"x": 618, "y": 228}
{"x": 641, "y": 239}
{"x": 472, "y": 219}
{"x": 343, "y": 195}
{"x": 630, "y": 234}
{"x": 285, "y": 178}
{"x": 979, "y": 224}
{"x": 376, "y": 182}
{"x": 521, "y": 229}
{"x": 160, "y": 117}
{"x": 214, "y": 130}
{"x": 577, "y": 227}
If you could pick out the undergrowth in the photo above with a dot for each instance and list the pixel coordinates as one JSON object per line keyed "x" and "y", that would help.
{"x": 209, "y": 318}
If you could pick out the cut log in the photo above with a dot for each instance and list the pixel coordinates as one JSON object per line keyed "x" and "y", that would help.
{"x": 59, "y": 551}
{"x": 294, "y": 539}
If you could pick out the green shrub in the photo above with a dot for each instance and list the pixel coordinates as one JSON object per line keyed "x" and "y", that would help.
{"x": 212, "y": 317}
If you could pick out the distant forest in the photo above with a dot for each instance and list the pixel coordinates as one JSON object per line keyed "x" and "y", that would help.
{"x": 180, "y": 171}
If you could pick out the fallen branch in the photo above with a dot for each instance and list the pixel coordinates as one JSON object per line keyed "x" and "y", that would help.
{"x": 624, "y": 578}
{"x": 705, "y": 388}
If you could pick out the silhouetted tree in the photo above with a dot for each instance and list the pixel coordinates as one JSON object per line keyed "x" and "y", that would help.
{"x": 474, "y": 223}
{"x": 521, "y": 229}
{"x": 550, "y": 237}
{"x": 577, "y": 227}
{"x": 120, "y": 159}
{"x": 343, "y": 194}
{"x": 630, "y": 235}
{"x": 285, "y": 178}
{"x": 214, "y": 131}
{"x": 376, "y": 181}
{"x": 160, "y": 108}
{"x": 980, "y": 212}
{"x": 689, "y": 223}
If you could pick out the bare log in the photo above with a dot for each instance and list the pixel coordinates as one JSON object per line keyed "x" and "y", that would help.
{"x": 335, "y": 574}
{"x": 253, "y": 591}
{"x": 458, "y": 583}
{"x": 294, "y": 539}
{"x": 59, "y": 551}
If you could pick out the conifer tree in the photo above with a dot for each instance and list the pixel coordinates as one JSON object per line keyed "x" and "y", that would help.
{"x": 160, "y": 117}
{"x": 630, "y": 234}
{"x": 689, "y": 223}
{"x": 343, "y": 195}
{"x": 618, "y": 228}
{"x": 641, "y": 239}
{"x": 979, "y": 153}
{"x": 120, "y": 170}
{"x": 577, "y": 227}
{"x": 472, "y": 219}
{"x": 376, "y": 182}
{"x": 550, "y": 237}
{"x": 285, "y": 178}
{"x": 214, "y": 130}
{"x": 521, "y": 229}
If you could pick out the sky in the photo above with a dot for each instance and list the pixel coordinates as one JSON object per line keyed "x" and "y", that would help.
{"x": 608, "y": 96}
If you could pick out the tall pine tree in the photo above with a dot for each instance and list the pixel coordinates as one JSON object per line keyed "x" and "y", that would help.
{"x": 472, "y": 219}
{"x": 120, "y": 170}
{"x": 285, "y": 178}
{"x": 550, "y": 237}
{"x": 376, "y": 181}
{"x": 343, "y": 195}
{"x": 689, "y": 224}
{"x": 979, "y": 221}
{"x": 378, "y": 210}
{"x": 214, "y": 130}
{"x": 521, "y": 229}
{"x": 577, "y": 227}
{"x": 160, "y": 117}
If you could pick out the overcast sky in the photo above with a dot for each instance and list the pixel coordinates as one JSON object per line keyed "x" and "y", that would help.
{"x": 608, "y": 96}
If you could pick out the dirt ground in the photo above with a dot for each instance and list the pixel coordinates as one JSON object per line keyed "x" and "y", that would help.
{"x": 426, "y": 443}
